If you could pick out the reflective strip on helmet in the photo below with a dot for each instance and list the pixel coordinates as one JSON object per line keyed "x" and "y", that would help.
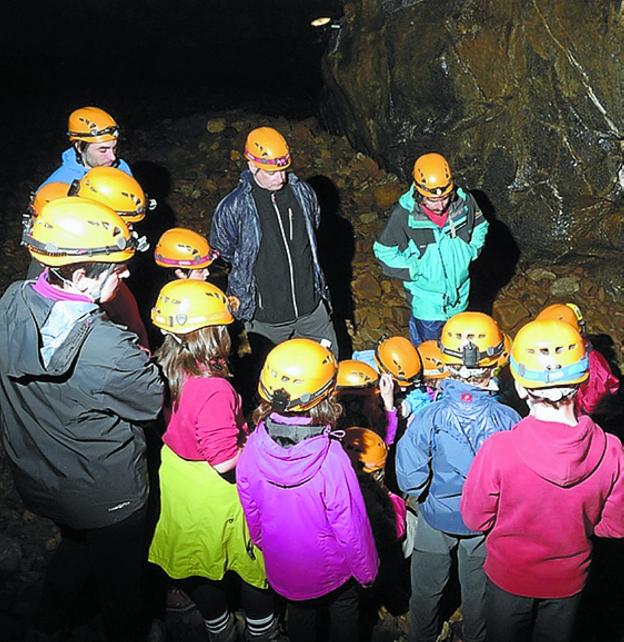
{"x": 113, "y": 130}
{"x": 286, "y": 403}
{"x": 435, "y": 191}
{"x": 281, "y": 161}
{"x": 211, "y": 256}
{"x": 50, "y": 249}
{"x": 566, "y": 373}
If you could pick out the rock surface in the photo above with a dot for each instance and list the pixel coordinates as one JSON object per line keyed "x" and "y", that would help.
{"x": 526, "y": 99}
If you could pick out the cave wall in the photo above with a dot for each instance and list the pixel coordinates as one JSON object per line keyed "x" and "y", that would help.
{"x": 525, "y": 98}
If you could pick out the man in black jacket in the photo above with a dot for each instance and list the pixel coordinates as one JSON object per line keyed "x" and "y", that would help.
{"x": 266, "y": 230}
{"x": 74, "y": 389}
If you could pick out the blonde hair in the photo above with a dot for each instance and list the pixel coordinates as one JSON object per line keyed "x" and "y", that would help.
{"x": 200, "y": 353}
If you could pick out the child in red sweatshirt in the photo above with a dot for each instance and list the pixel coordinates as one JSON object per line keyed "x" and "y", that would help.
{"x": 541, "y": 490}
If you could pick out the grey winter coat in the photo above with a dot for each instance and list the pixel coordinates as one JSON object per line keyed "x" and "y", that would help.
{"x": 69, "y": 415}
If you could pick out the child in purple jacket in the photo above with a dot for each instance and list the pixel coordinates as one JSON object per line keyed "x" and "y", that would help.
{"x": 301, "y": 497}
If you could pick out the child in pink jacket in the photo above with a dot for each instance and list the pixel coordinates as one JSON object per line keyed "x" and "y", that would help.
{"x": 541, "y": 490}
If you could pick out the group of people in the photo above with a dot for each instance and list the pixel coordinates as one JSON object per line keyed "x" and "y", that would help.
{"x": 293, "y": 501}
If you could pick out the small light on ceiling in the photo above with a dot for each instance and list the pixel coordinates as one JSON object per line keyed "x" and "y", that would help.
{"x": 325, "y": 21}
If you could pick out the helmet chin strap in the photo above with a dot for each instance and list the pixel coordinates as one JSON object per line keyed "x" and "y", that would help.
{"x": 94, "y": 293}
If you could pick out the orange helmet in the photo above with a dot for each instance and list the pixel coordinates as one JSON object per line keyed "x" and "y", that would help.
{"x": 267, "y": 149}
{"x": 113, "y": 187}
{"x": 185, "y": 305}
{"x": 365, "y": 448}
{"x": 92, "y": 125}
{"x": 74, "y": 230}
{"x": 471, "y": 339}
{"x": 297, "y": 375}
{"x": 183, "y": 248}
{"x": 432, "y": 176}
{"x": 431, "y": 357}
{"x": 568, "y": 312}
{"x": 548, "y": 353}
{"x": 45, "y": 194}
{"x": 399, "y": 358}
{"x": 355, "y": 374}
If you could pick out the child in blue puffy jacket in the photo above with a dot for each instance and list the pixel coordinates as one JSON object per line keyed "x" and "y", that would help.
{"x": 433, "y": 459}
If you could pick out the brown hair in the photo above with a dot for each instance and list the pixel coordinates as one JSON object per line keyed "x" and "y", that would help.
{"x": 327, "y": 412}
{"x": 200, "y": 353}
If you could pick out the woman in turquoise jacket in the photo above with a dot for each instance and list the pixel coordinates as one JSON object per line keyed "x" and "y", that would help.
{"x": 434, "y": 232}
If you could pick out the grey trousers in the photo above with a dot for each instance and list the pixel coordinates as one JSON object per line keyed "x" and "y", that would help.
{"x": 430, "y": 570}
{"x": 317, "y": 325}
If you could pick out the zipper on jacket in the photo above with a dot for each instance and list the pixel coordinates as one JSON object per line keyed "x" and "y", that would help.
{"x": 288, "y": 255}
{"x": 290, "y": 222}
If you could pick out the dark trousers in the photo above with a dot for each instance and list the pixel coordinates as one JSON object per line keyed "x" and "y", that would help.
{"x": 210, "y": 596}
{"x": 342, "y": 607}
{"x": 430, "y": 572}
{"x": 114, "y": 556}
{"x": 317, "y": 325}
{"x": 421, "y": 331}
{"x": 513, "y": 618}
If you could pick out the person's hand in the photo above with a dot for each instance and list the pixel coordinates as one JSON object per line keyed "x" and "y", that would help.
{"x": 386, "y": 391}
{"x": 233, "y": 303}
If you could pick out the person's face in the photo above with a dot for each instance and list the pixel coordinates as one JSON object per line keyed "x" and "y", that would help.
{"x": 100, "y": 154}
{"x": 110, "y": 282}
{"x": 272, "y": 181}
{"x": 437, "y": 205}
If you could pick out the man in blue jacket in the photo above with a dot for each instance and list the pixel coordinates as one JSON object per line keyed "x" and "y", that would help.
{"x": 434, "y": 232}
{"x": 93, "y": 135}
{"x": 265, "y": 228}
{"x": 433, "y": 459}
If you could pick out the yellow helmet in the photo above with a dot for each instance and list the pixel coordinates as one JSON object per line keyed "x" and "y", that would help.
{"x": 92, "y": 125}
{"x": 399, "y": 358}
{"x": 568, "y": 312}
{"x": 366, "y": 448}
{"x": 183, "y": 248}
{"x": 45, "y": 194}
{"x": 432, "y": 176}
{"x": 113, "y": 187}
{"x": 185, "y": 305}
{"x": 471, "y": 339}
{"x": 356, "y": 374}
{"x": 297, "y": 375}
{"x": 74, "y": 230}
{"x": 548, "y": 353}
{"x": 431, "y": 357}
{"x": 267, "y": 149}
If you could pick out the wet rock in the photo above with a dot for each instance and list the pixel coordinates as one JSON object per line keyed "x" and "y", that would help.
{"x": 565, "y": 286}
{"x": 510, "y": 314}
{"x": 367, "y": 288}
{"x": 387, "y": 195}
{"x": 540, "y": 274}
{"x": 215, "y": 125}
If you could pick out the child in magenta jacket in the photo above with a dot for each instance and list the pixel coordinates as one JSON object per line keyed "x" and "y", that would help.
{"x": 300, "y": 494}
{"x": 541, "y": 490}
